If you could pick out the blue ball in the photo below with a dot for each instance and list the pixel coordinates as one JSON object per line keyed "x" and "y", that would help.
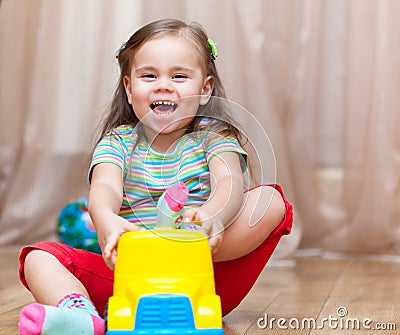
{"x": 75, "y": 228}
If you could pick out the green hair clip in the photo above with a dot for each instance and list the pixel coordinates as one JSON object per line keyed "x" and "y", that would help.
{"x": 214, "y": 52}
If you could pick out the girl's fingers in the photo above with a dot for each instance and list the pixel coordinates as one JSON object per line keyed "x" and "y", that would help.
{"x": 110, "y": 251}
{"x": 189, "y": 215}
{"x": 214, "y": 242}
{"x": 206, "y": 227}
{"x": 110, "y": 248}
{"x": 111, "y": 245}
{"x": 129, "y": 226}
{"x": 113, "y": 258}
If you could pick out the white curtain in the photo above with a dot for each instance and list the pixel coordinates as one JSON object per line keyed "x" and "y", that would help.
{"x": 58, "y": 72}
{"x": 322, "y": 77}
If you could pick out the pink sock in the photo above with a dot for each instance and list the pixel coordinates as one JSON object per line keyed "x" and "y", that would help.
{"x": 38, "y": 319}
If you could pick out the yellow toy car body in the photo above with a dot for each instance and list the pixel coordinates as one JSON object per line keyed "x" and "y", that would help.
{"x": 164, "y": 284}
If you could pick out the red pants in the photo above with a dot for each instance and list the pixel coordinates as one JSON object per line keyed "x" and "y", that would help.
{"x": 233, "y": 279}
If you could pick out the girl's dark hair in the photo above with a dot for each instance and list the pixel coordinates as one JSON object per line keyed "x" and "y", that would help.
{"x": 121, "y": 112}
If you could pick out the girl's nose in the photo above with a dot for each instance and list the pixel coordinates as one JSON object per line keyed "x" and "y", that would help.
{"x": 163, "y": 85}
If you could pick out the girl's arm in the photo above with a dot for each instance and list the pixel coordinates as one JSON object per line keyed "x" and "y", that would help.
{"x": 226, "y": 198}
{"x": 104, "y": 203}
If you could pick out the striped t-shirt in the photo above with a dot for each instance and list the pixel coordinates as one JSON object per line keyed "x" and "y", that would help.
{"x": 148, "y": 173}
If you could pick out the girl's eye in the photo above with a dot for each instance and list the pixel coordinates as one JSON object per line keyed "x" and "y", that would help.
{"x": 179, "y": 76}
{"x": 149, "y": 76}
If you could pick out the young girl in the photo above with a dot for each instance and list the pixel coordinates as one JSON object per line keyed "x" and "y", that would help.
{"x": 165, "y": 125}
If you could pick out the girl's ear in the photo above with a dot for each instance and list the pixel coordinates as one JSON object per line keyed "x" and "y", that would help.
{"x": 207, "y": 90}
{"x": 127, "y": 85}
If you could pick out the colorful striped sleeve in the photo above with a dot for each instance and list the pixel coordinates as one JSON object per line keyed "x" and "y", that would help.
{"x": 219, "y": 144}
{"x": 113, "y": 148}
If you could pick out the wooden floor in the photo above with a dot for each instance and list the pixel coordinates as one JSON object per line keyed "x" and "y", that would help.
{"x": 339, "y": 295}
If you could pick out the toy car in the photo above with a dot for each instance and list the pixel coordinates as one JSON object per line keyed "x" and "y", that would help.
{"x": 164, "y": 284}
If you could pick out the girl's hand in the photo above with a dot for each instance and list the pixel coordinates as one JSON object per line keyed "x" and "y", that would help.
{"x": 108, "y": 240}
{"x": 210, "y": 225}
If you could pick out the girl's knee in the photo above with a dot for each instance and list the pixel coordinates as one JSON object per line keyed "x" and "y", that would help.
{"x": 264, "y": 210}
{"x": 277, "y": 208}
{"x": 38, "y": 259}
{"x": 269, "y": 207}
{"x": 33, "y": 259}
{"x": 35, "y": 256}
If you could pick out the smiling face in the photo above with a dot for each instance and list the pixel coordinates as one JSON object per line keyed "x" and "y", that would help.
{"x": 166, "y": 84}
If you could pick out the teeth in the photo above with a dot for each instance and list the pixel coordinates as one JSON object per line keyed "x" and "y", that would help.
{"x": 163, "y": 103}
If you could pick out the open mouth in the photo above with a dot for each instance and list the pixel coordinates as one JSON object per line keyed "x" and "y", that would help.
{"x": 163, "y": 107}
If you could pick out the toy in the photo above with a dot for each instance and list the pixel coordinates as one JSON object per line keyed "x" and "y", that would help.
{"x": 170, "y": 205}
{"x": 75, "y": 228}
{"x": 169, "y": 208}
{"x": 164, "y": 284}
